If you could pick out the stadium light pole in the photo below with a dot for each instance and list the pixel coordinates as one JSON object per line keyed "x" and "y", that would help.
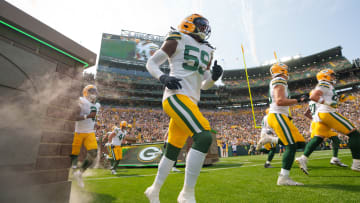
{"x": 247, "y": 78}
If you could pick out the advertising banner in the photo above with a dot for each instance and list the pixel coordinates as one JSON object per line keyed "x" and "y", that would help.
{"x": 144, "y": 155}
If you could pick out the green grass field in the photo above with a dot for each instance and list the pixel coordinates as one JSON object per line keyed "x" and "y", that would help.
{"x": 234, "y": 179}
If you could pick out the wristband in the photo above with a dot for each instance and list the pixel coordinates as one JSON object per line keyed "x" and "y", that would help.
{"x": 85, "y": 117}
{"x": 321, "y": 100}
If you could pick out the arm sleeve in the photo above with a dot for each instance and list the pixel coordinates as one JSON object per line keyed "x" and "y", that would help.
{"x": 207, "y": 83}
{"x": 154, "y": 62}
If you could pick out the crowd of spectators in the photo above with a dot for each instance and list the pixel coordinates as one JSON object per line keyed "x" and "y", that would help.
{"x": 234, "y": 126}
{"x": 296, "y": 73}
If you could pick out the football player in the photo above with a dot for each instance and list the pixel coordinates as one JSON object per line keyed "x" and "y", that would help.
{"x": 268, "y": 140}
{"x": 189, "y": 56}
{"x": 114, "y": 143}
{"x": 326, "y": 118}
{"x": 84, "y": 131}
{"x": 317, "y": 140}
{"x": 278, "y": 120}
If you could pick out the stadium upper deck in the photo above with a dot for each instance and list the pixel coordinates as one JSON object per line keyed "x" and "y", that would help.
{"x": 124, "y": 84}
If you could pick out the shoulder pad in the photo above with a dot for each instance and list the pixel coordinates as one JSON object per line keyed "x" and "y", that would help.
{"x": 324, "y": 84}
{"x": 278, "y": 81}
{"x": 173, "y": 35}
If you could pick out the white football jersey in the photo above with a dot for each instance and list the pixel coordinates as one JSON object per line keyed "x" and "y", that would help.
{"x": 273, "y": 107}
{"x": 189, "y": 63}
{"x": 265, "y": 128}
{"x": 87, "y": 125}
{"x": 313, "y": 106}
{"x": 119, "y": 136}
{"x": 329, "y": 95}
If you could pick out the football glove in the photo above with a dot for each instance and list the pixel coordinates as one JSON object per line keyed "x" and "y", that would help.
{"x": 216, "y": 71}
{"x": 170, "y": 82}
{"x": 303, "y": 98}
{"x": 334, "y": 105}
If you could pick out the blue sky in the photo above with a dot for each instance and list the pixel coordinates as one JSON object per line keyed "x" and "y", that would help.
{"x": 289, "y": 27}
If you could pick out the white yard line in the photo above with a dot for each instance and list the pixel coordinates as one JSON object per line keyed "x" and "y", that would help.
{"x": 313, "y": 157}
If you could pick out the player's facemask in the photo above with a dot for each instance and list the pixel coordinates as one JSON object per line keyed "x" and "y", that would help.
{"x": 92, "y": 94}
{"x": 202, "y": 28}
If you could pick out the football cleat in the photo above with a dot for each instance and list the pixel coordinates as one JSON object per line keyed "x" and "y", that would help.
{"x": 268, "y": 166}
{"x": 113, "y": 172}
{"x": 152, "y": 194}
{"x": 302, "y": 162}
{"x": 78, "y": 178}
{"x": 337, "y": 162}
{"x": 355, "y": 166}
{"x": 174, "y": 169}
{"x": 186, "y": 196}
{"x": 286, "y": 180}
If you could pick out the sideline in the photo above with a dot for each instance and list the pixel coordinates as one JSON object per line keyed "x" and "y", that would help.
{"x": 320, "y": 156}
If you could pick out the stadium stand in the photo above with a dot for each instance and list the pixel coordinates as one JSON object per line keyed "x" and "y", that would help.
{"x": 129, "y": 93}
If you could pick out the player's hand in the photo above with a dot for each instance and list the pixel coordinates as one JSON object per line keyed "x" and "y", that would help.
{"x": 334, "y": 105}
{"x": 216, "y": 71}
{"x": 303, "y": 98}
{"x": 91, "y": 114}
{"x": 170, "y": 82}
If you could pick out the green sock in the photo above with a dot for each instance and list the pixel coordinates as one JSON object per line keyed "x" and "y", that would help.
{"x": 335, "y": 145}
{"x": 115, "y": 164}
{"x": 171, "y": 152}
{"x": 311, "y": 146}
{"x": 354, "y": 144}
{"x": 74, "y": 160}
{"x": 271, "y": 154}
{"x": 86, "y": 163}
{"x": 289, "y": 156}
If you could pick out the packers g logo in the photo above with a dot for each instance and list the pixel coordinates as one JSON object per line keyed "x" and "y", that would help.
{"x": 149, "y": 154}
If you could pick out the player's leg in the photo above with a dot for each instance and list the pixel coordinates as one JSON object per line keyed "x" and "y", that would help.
{"x": 318, "y": 132}
{"x": 91, "y": 146}
{"x": 271, "y": 154}
{"x": 76, "y": 146}
{"x": 202, "y": 139}
{"x": 178, "y": 133}
{"x": 289, "y": 136}
{"x": 344, "y": 126}
{"x": 189, "y": 114}
{"x": 117, "y": 153}
{"x": 335, "y": 148}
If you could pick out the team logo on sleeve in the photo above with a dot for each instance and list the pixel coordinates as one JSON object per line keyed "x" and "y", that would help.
{"x": 149, "y": 154}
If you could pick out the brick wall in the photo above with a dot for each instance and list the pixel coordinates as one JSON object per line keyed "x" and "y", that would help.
{"x": 36, "y": 144}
